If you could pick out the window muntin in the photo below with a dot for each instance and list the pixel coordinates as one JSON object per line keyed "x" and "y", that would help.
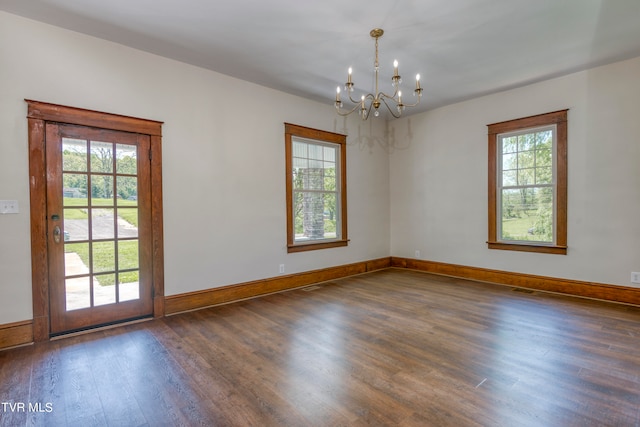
{"x": 528, "y": 178}
{"x": 316, "y": 189}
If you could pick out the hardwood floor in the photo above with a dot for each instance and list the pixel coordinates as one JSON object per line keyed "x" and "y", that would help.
{"x": 388, "y": 348}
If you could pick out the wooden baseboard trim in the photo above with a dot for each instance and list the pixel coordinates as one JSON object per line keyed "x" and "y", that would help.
{"x": 600, "y": 291}
{"x": 16, "y": 334}
{"x": 225, "y": 294}
{"x": 22, "y": 333}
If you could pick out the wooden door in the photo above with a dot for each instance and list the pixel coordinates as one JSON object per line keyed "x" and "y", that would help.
{"x": 98, "y": 226}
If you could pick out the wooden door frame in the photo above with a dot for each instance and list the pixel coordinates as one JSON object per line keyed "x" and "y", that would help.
{"x": 38, "y": 114}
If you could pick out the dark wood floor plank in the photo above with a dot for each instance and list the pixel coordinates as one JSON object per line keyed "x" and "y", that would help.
{"x": 15, "y": 379}
{"x": 45, "y": 388}
{"x": 116, "y": 395}
{"x": 388, "y": 348}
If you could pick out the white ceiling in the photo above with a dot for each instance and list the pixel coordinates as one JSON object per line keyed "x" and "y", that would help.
{"x": 461, "y": 48}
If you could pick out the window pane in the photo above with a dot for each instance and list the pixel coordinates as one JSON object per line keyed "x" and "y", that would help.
{"x": 126, "y": 159}
{"x": 330, "y": 179}
{"x": 527, "y": 214}
{"x": 510, "y": 144}
{"x": 509, "y": 178}
{"x": 299, "y": 149}
{"x": 76, "y": 259}
{"x": 330, "y": 216}
{"x": 101, "y": 156}
{"x": 316, "y": 215}
{"x": 543, "y": 139}
{"x": 313, "y": 179}
{"x": 129, "y": 287}
{"x": 544, "y": 157}
{"x": 76, "y": 225}
{"x": 102, "y": 224}
{"x": 102, "y": 190}
{"x": 544, "y": 175}
{"x": 74, "y": 155}
{"x": 128, "y": 254}
{"x": 127, "y": 188}
{"x": 104, "y": 256}
{"x": 526, "y": 176}
{"x": 104, "y": 290}
{"x": 77, "y": 293}
{"x": 526, "y": 142}
{"x": 315, "y": 151}
{"x": 510, "y": 161}
{"x": 329, "y": 154}
{"x": 127, "y": 223}
{"x": 74, "y": 191}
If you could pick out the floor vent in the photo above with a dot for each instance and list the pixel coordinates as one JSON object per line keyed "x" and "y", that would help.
{"x": 524, "y": 291}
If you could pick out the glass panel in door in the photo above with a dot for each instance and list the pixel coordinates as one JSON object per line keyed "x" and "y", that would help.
{"x": 101, "y": 231}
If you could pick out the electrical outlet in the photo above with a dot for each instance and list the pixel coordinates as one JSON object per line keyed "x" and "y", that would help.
{"x": 9, "y": 207}
{"x": 281, "y": 268}
{"x": 635, "y": 277}
{"x": 417, "y": 254}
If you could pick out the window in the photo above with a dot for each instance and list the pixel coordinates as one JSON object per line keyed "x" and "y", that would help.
{"x": 316, "y": 189}
{"x": 528, "y": 184}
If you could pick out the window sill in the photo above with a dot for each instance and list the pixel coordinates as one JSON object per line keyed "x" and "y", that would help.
{"x": 301, "y": 247}
{"x": 544, "y": 249}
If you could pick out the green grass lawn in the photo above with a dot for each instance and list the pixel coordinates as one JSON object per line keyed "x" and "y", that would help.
{"x": 129, "y": 215}
{"x": 104, "y": 260}
{"x": 518, "y": 229}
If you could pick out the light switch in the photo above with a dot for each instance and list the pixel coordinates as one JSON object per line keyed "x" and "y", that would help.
{"x": 9, "y": 207}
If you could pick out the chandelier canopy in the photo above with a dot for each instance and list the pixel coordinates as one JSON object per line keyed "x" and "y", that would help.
{"x": 374, "y": 100}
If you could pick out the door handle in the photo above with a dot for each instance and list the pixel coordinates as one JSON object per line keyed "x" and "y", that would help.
{"x": 56, "y": 234}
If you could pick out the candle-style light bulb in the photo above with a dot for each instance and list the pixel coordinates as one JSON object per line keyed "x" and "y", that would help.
{"x": 399, "y": 97}
{"x": 417, "y": 81}
{"x": 348, "y": 86}
{"x": 395, "y": 67}
{"x": 338, "y": 94}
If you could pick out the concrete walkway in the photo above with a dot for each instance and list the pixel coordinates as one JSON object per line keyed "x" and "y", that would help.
{"x": 78, "y": 289}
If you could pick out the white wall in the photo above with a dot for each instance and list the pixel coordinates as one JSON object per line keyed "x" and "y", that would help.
{"x": 223, "y": 159}
{"x": 439, "y": 178}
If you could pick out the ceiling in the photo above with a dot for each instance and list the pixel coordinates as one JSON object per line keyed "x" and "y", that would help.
{"x": 461, "y": 48}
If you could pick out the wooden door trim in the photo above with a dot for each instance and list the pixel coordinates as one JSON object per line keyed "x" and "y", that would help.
{"x": 38, "y": 114}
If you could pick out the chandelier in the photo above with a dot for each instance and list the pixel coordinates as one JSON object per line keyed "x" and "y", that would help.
{"x": 374, "y": 100}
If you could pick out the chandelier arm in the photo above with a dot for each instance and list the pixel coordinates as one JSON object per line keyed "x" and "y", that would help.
{"x": 414, "y": 104}
{"x": 347, "y": 112}
{"x": 358, "y": 101}
{"x": 397, "y": 116}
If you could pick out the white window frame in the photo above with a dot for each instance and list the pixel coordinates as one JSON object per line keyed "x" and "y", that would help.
{"x": 501, "y": 186}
